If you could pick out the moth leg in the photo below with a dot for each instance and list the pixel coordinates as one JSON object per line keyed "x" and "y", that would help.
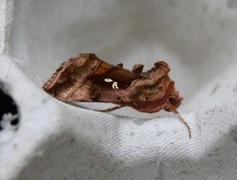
{"x": 173, "y": 109}
{"x": 103, "y": 110}
{"x": 111, "y": 109}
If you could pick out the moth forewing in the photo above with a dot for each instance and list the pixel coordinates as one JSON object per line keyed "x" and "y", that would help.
{"x": 87, "y": 78}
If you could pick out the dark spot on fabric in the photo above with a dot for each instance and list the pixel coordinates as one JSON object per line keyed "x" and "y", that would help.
{"x": 217, "y": 86}
{"x": 8, "y": 108}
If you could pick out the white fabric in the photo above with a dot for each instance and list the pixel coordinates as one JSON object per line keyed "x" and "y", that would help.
{"x": 54, "y": 140}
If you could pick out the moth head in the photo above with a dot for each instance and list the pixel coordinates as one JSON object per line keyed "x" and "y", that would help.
{"x": 174, "y": 100}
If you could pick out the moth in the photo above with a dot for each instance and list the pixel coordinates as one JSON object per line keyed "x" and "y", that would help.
{"x": 87, "y": 78}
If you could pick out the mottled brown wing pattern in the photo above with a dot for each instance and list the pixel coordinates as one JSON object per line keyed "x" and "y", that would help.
{"x": 87, "y": 78}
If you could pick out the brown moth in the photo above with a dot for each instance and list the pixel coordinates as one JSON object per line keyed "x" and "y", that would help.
{"x": 87, "y": 78}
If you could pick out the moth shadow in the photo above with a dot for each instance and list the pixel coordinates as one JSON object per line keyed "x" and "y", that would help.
{"x": 123, "y": 111}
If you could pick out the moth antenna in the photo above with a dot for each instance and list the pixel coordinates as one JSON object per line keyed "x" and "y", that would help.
{"x": 111, "y": 109}
{"x": 186, "y": 124}
{"x": 173, "y": 109}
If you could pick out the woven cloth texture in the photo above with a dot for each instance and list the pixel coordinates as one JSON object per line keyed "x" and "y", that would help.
{"x": 54, "y": 140}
